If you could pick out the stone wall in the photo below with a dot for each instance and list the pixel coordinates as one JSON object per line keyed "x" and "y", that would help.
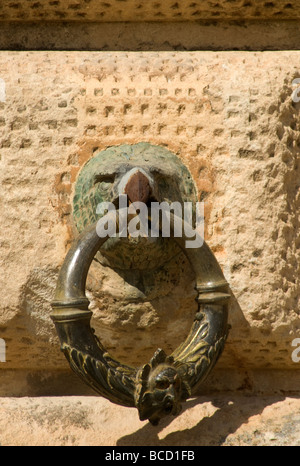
{"x": 136, "y": 10}
{"x": 231, "y": 119}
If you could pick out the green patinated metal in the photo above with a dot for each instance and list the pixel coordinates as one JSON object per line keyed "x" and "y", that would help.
{"x": 97, "y": 183}
{"x": 95, "y": 180}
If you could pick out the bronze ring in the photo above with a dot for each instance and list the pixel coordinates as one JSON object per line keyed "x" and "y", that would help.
{"x": 159, "y": 387}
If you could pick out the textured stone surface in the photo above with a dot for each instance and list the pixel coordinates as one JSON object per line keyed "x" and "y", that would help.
{"x": 151, "y": 36}
{"x": 136, "y": 10}
{"x": 229, "y": 117}
{"x": 209, "y": 421}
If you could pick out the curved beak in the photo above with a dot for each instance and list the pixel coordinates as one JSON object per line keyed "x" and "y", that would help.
{"x": 136, "y": 184}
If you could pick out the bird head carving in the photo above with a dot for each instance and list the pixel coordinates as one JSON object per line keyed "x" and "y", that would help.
{"x": 144, "y": 173}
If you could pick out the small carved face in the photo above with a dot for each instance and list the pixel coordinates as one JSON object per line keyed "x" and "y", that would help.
{"x": 163, "y": 394}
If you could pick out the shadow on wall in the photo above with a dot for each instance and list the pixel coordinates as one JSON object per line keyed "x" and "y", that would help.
{"x": 211, "y": 430}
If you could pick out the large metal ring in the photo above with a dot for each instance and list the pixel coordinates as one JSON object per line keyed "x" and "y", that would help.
{"x": 159, "y": 387}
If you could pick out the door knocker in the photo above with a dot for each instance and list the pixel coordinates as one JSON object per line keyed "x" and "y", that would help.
{"x": 159, "y": 387}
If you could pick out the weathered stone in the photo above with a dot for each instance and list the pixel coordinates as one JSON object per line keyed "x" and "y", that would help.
{"x": 89, "y": 421}
{"x": 134, "y": 10}
{"x": 229, "y": 117}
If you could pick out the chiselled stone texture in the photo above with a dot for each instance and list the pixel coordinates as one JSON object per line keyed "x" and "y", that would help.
{"x": 151, "y": 36}
{"x": 229, "y": 117}
{"x": 136, "y": 10}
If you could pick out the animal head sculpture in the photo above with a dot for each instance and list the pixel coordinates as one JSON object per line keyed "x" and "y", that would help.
{"x": 160, "y": 389}
{"x": 144, "y": 173}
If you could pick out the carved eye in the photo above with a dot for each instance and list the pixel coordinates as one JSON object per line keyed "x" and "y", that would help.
{"x": 105, "y": 178}
{"x": 162, "y": 384}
